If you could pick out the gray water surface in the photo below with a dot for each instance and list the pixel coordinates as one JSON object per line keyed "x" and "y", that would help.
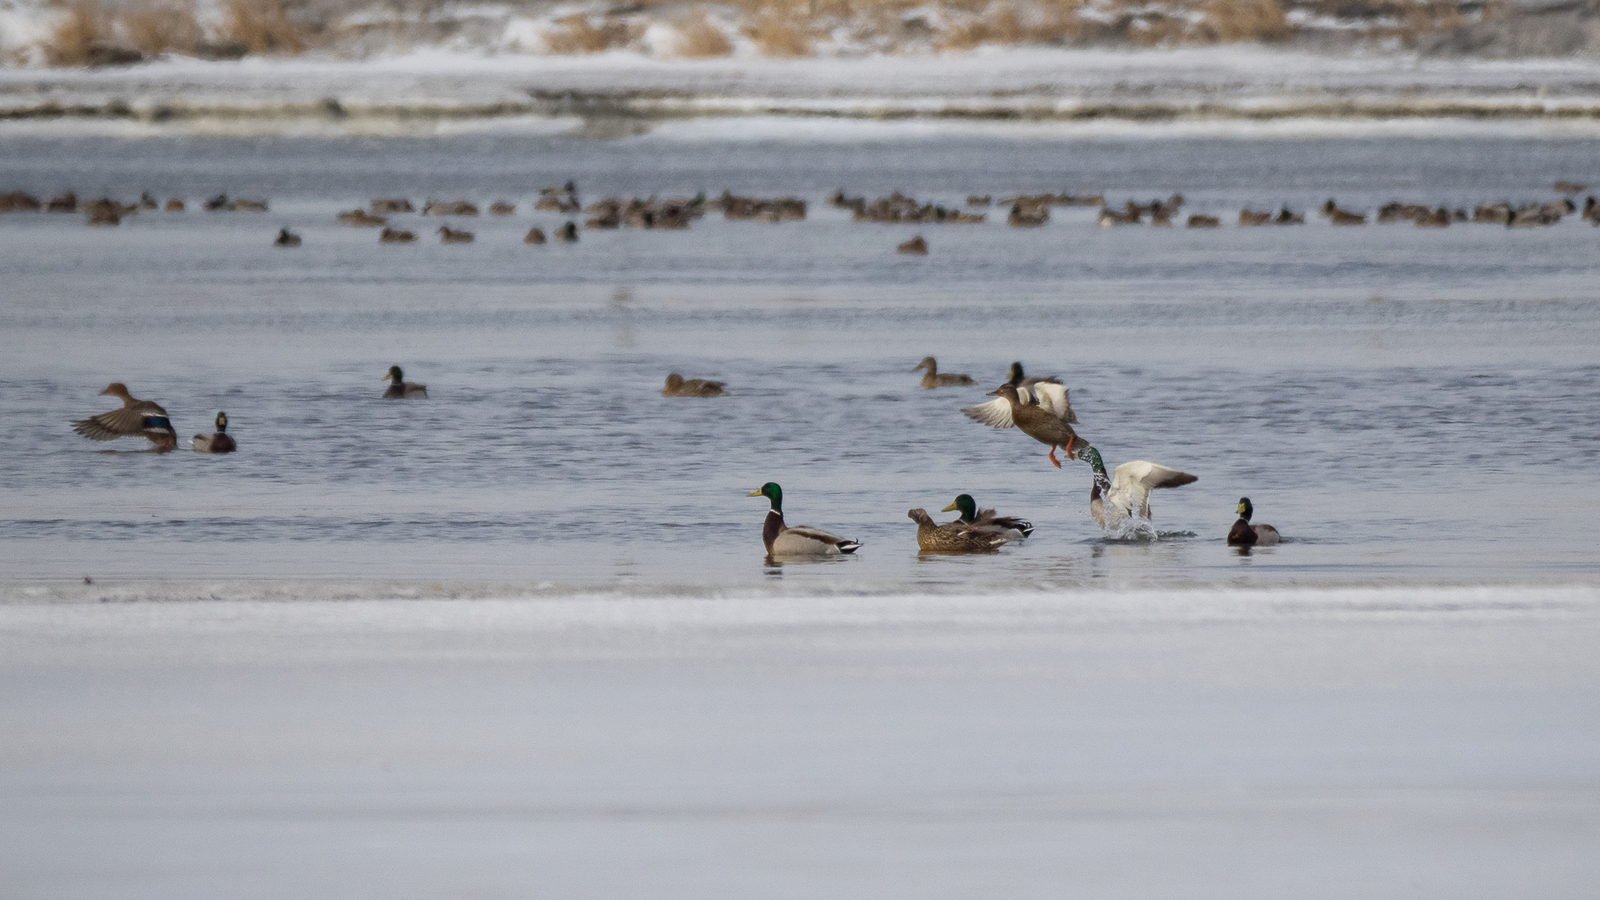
{"x": 1405, "y": 405}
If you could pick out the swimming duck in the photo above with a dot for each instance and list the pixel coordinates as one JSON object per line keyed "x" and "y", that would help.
{"x": 1014, "y": 528}
{"x": 136, "y": 418}
{"x": 395, "y": 236}
{"x": 1243, "y": 534}
{"x": 800, "y": 540}
{"x": 1042, "y": 410}
{"x": 400, "y": 389}
{"x": 934, "y": 378}
{"x": 215, "y": 443}
{"x": 448, "y": 235}
{"x": 677, "y": 386}
{"x": 535, "y": 235}
{"x": 286, "y": 238}
{"x": 1116, "y": 498}
{"x": 914, "y": 247}
{"x": 569, "y": 233}
{"x": 953, "y": 537}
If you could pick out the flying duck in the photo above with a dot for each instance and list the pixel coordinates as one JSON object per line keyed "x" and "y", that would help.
{"x": 136, "y": 418}
{"x": 1043, "y": 412}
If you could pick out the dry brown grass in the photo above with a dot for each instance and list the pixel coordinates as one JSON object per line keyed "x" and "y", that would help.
{"x": 779, "y": 34}
{"x": 263, "y": 26}
{"x": 578, "y": 34}
{"x": 698, "y": 38}
{"x": 161, "y": 26}
{"x": 84, "y": 25}
{"x": 1246, "y": 20}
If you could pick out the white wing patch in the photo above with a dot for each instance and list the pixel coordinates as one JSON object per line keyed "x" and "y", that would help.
{"x": 1052, "y": 396}
{"x": 996, "y": 412}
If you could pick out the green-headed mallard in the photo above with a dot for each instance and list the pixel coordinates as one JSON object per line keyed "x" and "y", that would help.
{"x": 678, "y": 386}
{"x": 1116, "y": 498}
{"x": 933, "y": 378}
{"x": 1014, "y": 528}
{"x": 800, "y": 540}
{"x": 286, "y": 238}
{"x": 953, "y": 537}
{"x": 215, "y": 443}
{"x": 136, "y": 418}
{"x": 400, "y": 389}
{"x": 1043, "y": 411}
{"x": 1243, "y": 534}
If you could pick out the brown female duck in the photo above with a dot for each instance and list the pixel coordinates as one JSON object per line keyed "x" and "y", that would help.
{"x": 136, "y": 418}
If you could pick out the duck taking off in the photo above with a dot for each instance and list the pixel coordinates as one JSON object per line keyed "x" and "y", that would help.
{"x": 400, "y": 389}
{"x": 934, "y": 378}
{"x": 1014, "y": 528}
{"x": 1243, "y": 534}
{"x": 1115, "y": 498}
{"x": 136, "y": 418}
{"x": 800, "y": 540}
{"x": 1042, "y": 410}
{"x": 215, "y": 443}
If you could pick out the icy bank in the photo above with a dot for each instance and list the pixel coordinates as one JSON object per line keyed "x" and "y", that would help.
{"x": 1041, "y": 85}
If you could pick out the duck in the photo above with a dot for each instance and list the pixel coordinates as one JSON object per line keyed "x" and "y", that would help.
{"x": 569, "y": 233}
{"x": 1243, "y": 534}
{"x": 1014, "y": 528}
{"x": 953, "y": 537}
{"x": 215, "y": 443}
{"x": 136, "y": 418}
{"x": 360, "y": 218}
{"x": 535, "y": 235}
{"x": 1116, "y": 498}
{"x": 933, "y": 378}
{"x": 677, "y": 386}
{"x": 396, "y": 236}
{"x": 800, "y": 540}
{"x": 400, "y": 389}
{"x": 448, "y": 235}
{"x": 914, "y": 247}
{"x": 1042, "y": 410}
{"x": 286, "y": 238}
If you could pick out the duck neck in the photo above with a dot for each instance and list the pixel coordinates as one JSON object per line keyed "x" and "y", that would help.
{"x": 773, "y": 526}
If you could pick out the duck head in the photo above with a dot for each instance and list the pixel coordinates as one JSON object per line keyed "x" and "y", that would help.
{"x": 965, "y": 503}
{"x": 927, "y": 363}
{"x": 394, "y": 375}
{"x": 222, "y": 423}
{"x": 1245, "y": 509}
{"x": 772, "y": 492}
{"x": 675, "y": 381}
{"x": 116, "y": 389}
{"x": 1008, "y": 391}
{"x": 920, "y": 516}
{"x": 1016, "y": 373}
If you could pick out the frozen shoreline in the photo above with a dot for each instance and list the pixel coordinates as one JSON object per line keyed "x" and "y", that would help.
{"x": 1213, "y": 84}
{"x": 1432, "y": 743}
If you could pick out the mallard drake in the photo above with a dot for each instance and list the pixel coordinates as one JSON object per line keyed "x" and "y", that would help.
{"x": 677, "y": 386}
{"x": 286, "y": 238}
{"x": 569, "y": 233}
{"x": 953, "y": 537}
{"x": 1042, "y": 410}
{"x": 1243, "y": 534}
{"x": 1116, "y": 498}
{"x": 136, "y": 418}
{"x": 1016, "y": 529}
{"x": 933, "y": 378}
{"x": 800, "y": 540}
{"x": 400, "y": 389}
{"x": 215, "y": 443}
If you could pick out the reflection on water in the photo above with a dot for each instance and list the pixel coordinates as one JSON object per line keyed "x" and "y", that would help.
{"x": 1392, "y": 439}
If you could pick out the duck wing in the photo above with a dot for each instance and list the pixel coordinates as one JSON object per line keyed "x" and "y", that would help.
{"x": 802, "y": 540}
{"x": 996, "y": 413}
{"x": 1133, "y": 481}
{"x": 1051, "y": 395}
{"x": 108, "y": 426}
